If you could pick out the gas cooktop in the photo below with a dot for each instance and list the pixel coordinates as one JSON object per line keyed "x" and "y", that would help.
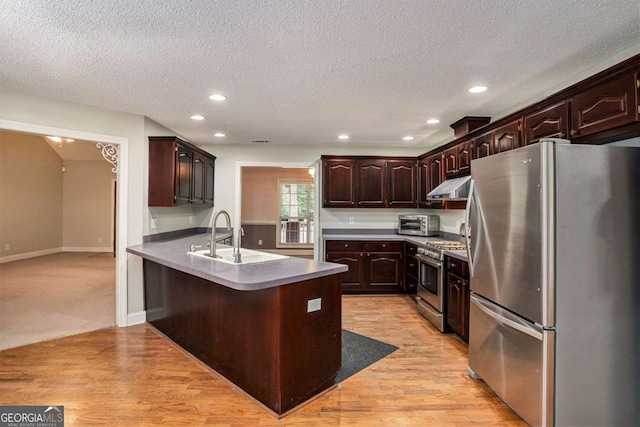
{"x": 446, "y": 245}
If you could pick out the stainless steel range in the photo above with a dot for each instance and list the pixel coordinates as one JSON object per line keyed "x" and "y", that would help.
{"x": 430, "y": 298}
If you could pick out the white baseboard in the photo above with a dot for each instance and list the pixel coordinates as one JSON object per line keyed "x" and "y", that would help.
{"x": 28, "y": 255}
{"x": 87, "y": 249}
{"x": 136, "y": 318}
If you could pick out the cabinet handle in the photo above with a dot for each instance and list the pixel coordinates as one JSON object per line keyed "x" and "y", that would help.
{"x": 361, "y": 254}
{"x": 561, "y": 135}
{"x": 346, "y": 245}
{"x": 452, "y": 265}
{"x": 368, "y": 254}
{"x": 384, "y": 245}
{"x": 574, "y": 132}
{"x": 412, "y": 265}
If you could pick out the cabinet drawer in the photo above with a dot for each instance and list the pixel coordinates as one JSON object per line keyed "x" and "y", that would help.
{"x": 344, "y": 246}
{"x": 383, "y": 246}
{"x": 457, "y": 267}
{"x": 411, "y": 249}
{"x": 411, "y": 266}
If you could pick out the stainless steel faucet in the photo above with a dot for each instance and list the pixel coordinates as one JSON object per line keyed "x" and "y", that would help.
{"x": 212, "y": 249}
{"x": 237, "y": 258}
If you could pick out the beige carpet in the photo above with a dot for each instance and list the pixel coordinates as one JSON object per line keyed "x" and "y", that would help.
{"x": 56, "y": 296}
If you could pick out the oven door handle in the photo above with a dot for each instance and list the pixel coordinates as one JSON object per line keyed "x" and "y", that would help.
{"x": 429, "y": 261}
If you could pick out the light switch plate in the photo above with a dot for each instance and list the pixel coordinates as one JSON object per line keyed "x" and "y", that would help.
{"x": 314, "y": 305}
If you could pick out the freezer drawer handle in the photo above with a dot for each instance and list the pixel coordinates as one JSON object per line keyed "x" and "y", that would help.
{"x": 525, "y": 329}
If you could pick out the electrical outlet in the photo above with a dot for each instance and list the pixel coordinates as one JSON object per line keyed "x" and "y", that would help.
{"x": 99, "y": 239}
{"x": 7, "y": 247}
{"x": 352, "y": 220}
{"x": 154, "y": 223}
{"x": 260, "y": 242}
{"x": 314, "y": 305}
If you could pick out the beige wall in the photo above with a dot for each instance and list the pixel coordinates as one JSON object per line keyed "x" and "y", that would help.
{"x": 87, "y": 205}
{"x": 260, "y": 192}
{"x": 42, "y": 111}
{"x": 30, "y": 195}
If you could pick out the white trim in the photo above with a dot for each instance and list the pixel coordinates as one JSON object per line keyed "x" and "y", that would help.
{"x": 28, "y": 255}
{"x": 86, "y": 249}
{"x": 136, "y": 318}
{"x": 123, "y": 193}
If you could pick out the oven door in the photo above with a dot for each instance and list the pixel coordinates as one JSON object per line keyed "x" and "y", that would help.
{"x": 430, "y": 281}
{"x": 411, "y": 226}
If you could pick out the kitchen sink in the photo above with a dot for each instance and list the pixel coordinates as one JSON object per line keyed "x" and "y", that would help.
{"x": 248, "y": 256}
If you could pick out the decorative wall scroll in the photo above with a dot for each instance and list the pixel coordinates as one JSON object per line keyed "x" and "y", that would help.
{"x": 110, "y": 154}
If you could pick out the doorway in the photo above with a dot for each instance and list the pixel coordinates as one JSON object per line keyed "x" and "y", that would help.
{"x": 276, "y": 207}
{"x": 121, "y": 146}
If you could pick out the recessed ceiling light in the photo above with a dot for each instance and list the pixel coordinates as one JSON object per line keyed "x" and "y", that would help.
{"x": 219, "y": 134}
{"x": 69, "y": 140}
{"x": 433, "y": 121}
{"x": 197, "y": 117}
{"x": 217, "y": 97}
{"x": 408, "y": 138}
{"x": 55, "y": 138}
{"x": 478, "y": 89}
{"x": 343, "y": 136}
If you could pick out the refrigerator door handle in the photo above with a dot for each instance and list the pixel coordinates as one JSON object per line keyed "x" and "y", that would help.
{"x": 467, "y": 218}
{"x": 513, "y": 322}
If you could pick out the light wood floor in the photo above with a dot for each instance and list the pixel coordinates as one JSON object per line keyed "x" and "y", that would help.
{"x": 135, "y": 377}
{"x": 55, "y": 296}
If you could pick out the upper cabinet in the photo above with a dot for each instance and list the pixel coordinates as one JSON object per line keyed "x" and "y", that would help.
{"x": 402, "y": 180}
{"x": 605, "y": 106}
{"x": 179, "y": 173}
{"x": 483, "y": 146}
{"x": 431, "y": 174}
{"x": 507, "y": 137}
{"x": 369, "y": 182}
{"x": 552, "y": 122}
{"x": 457, "y": 159}
{"x": 339, "y": 180}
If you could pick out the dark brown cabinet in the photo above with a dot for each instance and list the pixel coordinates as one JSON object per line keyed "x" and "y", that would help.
{"x": 457, "y": 160}
{"x": 374, "y": 267}
{"x": 402, "y": 176}
{"x": 411, "y": 269}
{"x": 338, "y": 178}
{"x": 483, "y": 146}
{"x": 179, "y": 173}
{"x": 351, "y": 254}
{"x": 606, "y": 106}
{"x": 458, "y": 296}
{"x": 369, "y": 182}
{"x": 431, "y": 174}
{"x": 552, "y": 122}
{"x": 507, "y": 137}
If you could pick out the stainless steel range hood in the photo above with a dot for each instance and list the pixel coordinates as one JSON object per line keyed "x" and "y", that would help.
{"x": 451, "y": 189}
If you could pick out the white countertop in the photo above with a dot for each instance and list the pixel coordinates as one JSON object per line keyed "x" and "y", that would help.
{"x": 248, "y": 277}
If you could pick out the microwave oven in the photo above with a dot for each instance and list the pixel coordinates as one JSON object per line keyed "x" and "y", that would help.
{"x": 419, "y": 225}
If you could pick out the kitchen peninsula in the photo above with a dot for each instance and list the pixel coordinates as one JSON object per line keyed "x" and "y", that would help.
{"x": 272, "y": 328}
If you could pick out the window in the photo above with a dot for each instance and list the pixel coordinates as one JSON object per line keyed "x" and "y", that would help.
{"x": 296, "y": 213}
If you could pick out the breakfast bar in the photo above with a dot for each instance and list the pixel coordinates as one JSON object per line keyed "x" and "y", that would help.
{"x": 272, "y": 328}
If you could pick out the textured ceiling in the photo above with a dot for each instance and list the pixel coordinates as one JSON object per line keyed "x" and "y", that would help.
{"x": 302, "y": 72}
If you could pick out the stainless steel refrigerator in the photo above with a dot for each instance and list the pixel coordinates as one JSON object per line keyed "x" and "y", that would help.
{"x": 554, "y": 254}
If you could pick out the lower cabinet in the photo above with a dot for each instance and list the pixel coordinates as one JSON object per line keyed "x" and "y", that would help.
{"x": 411, "y": 269}
{"x": 374, "y": 267}
{"x": 458, "y": 297}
